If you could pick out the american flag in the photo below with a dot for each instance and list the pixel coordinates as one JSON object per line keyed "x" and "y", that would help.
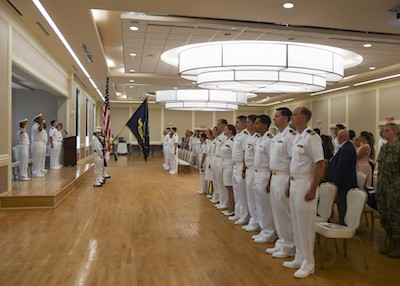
{"x": 106, "y": 114}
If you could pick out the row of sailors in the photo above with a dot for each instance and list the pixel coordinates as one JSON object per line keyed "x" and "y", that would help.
{"x": 38, "y": 144}
{"x": 268, "y": 182}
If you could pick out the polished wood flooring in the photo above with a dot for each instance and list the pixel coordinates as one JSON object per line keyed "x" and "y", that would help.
{"x": 146, "y": 227}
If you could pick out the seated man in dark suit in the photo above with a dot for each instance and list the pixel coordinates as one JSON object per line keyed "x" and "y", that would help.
{"x": 342, "y": 171}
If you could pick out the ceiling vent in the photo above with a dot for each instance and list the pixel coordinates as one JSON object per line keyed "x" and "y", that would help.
{"x": 17, "y": 10}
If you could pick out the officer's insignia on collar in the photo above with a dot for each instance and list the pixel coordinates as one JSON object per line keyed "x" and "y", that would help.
{"x": 258, "y": 135}
{"x": 292, "y": 132}
{"x": 312, "y": 132}
{"x": 270, "y": 135}
{"x": 246, "y": 132}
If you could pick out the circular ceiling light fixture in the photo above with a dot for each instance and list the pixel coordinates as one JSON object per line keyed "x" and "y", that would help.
{"x": 261, "y": 66}
{"x": 133, "y": 28}
{"x": 288, "y": 5}
{"x": 201, "y": 99}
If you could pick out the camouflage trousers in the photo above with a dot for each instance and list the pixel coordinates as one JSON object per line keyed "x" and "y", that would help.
{"x": 388, "y": 200}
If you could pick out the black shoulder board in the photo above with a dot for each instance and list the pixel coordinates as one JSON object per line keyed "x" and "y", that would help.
{"x": 270, "y": 135}
{"x": 312, "y": 132}
{"x": 292, "y": 132}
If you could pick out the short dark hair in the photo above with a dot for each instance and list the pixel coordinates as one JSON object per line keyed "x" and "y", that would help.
{"x": 167, "y": 128}
{"x": 318, "y": 131}
{"x": 340, "y": 126}
{"x": 285, "y": 112}
{"x": 52, "y": 122}
{"x": 231, "y": 128}
{"x": 265, "y": 119}
{"x": 306, "y": 112}
{"x": 252, "y": 117}
{"x": 174, "y": 128}
{"x": 241, "y": 118}
{"x": 223, "y": 121}
{"x": 352, "y": 134}
{"x": 203, "y": 135}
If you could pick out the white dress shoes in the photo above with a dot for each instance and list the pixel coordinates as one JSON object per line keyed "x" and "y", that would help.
{"x": 24, "y": 179}
{"x": 292, "y": 264}
{"x": 301, "y": 273}
{"x": 283, "y": 253}
{"x": 264, "y": 239}
{"x": 241, "y": 221}
{"x": 233, "y": 218}
{"x": 273, "y": 250}
{"x": 251, "y": 227}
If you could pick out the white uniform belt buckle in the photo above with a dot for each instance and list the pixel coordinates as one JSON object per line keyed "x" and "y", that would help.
{"x": 300, "y": 176}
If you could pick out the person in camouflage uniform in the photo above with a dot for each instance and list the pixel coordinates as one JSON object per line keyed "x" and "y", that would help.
{"x": 388, "y": 193}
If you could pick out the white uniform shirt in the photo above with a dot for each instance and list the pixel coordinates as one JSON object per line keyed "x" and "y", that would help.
{"x": 35, "y": 133}
{"x": 281, "y": 150}
{"x": 43, "y": 136}
{"x": 262, "y": 151}
{"x": 221, "y": 138}
{"x": 172, "y": 141}
{"x": 226, "y": 150}
{"x": 306, "y": 151}
{"x": 53, "y": 133}
{"x": 23, "y": 138}
{"x": 166, "y": 139}
{"x": 239, "y": 145}
{"x": 97, "y": 146}
{"x": 249, "y": 152}
{"x": 59, "y": 136}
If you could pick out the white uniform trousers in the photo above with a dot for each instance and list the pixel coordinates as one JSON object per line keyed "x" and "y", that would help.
{"x": 38, "y": 152}
{"x": 23, "y": 160}
{"x": 44, "y": 152}
{"x": 166, "y": 158}
{"x": 173, "y": 162}
{"x": 203, "y": 182}
{"x": 55, "y": 155}
{"x": 222, "y": 191}
{"x": 107, "y": 159}
{"x": 98, "y": 163}
{"x": 215, "y": 195}
{"x": 251, "y": 201}
{"x": 303, "y": 216}
{"x": 263, "y": 202}
{"x": 239, "y": 192}
{"x": 281, "y": 209}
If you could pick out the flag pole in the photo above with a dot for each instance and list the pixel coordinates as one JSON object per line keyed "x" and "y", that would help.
{"x": 120, "y": 132}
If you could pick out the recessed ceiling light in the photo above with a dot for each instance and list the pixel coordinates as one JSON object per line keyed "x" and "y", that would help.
{"x": 175, "y": 88}
{"x": 132, "y": 80}
{"x": 131, "y": 70}
{"x": 131, "y": 86}
{"x": 132, "y": 55}
{"x": 372, "y": 68}
{"x": 288, "y": 5}
{"x": 133, "y": 28}
{"x": 367, "y": 45}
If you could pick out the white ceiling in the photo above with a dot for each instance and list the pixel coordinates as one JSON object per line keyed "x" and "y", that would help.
{"x": 103, "y": 26}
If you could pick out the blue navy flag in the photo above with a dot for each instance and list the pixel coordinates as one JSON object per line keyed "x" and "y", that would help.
{"x": 139, "y": 125}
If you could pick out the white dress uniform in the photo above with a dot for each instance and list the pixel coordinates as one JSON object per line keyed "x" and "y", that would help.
{"x": 195, "y": 148}
{"x": 239, "y": 184}
{"x": 249, "y": 162}
{"x": 213, "y": 159}
{"x": 55, "y": 151}
{"x": 173, "y": 154}
{"x": 165, "y": 150}
{"x": 280, "y": 153}
{"x": 23, "y": 139}
{"x": 44, "y": 139}
{"x": 203, "y": 182}
{"x": 227, "y": 166}
{"x": 218, "y": 173}
{"x": 306, "y": 152}
{"x": 37, "y": 150}
{"x": 207, "y": 163}
{"x": 261, "y": 181}
{"x": 98, "y": 161}
{"x": 60, "y": 140}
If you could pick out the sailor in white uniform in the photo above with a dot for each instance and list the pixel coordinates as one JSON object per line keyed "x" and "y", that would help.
{"x": 165, "y": 148}
{"x": 23, "y": 139}
{"x": 218, "y": 171}
{"x": 37, "y": 149}
{"x": 306, "y": 170}
{"x": 173, "y": 151}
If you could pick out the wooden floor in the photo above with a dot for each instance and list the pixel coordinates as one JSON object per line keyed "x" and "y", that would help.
{"x": 146, "y": 227}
